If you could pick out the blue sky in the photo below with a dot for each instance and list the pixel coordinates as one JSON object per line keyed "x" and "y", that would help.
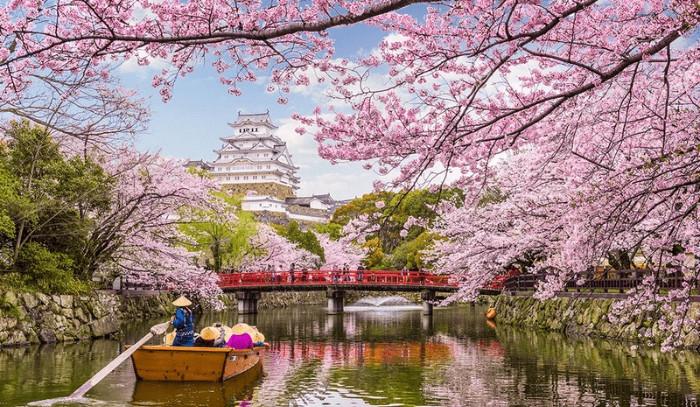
{"x": 190, "y": 124}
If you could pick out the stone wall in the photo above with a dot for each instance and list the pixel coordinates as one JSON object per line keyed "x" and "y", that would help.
{"x": 262, "y": 188}
{"x": 585, "y": 317}
{"x": 30, "y": 318}
{"x": 27, "y": 318}
{"x": 305, "y": 210}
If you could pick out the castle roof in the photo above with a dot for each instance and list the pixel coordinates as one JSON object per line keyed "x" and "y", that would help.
{"x": 253, "y": 118}
{"x": 306, "y": 200}
{"x": 199, "y": 164}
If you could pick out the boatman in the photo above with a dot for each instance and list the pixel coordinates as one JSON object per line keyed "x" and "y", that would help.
{"x": 183, "y": 323}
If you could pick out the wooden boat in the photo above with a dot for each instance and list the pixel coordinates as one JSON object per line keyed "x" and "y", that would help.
{"x": 193, "y": 364}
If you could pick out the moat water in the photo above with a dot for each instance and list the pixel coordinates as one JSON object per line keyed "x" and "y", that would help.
{"x": 372, "y": 357}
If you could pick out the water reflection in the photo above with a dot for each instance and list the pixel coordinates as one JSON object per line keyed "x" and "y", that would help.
{"x": 198, "y": 394}
{"x": 48, "y": 371}
{"x": 452, "y": 358}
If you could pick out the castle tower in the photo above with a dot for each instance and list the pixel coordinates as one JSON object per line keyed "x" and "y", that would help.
{"x": 255, "y": 159}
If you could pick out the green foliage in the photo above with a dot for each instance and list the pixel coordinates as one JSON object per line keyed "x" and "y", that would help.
{"x": 47, "y": 271}
{"x": 222, "y": 233}
{"x": 304, "y": 239}
{"x": 364, "y": 205}
{"x": 8, "y": 193}
{"x": 45, "y": 203}
{"x": 375, "y": 255}
{"x": 333, "y": 230}
{"x": 387, "y": 248}
{"x": 7, "y": 309}
{"x": 409, "y": 253}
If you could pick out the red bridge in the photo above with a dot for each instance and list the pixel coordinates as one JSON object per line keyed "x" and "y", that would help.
{"x": 248, "y": 286}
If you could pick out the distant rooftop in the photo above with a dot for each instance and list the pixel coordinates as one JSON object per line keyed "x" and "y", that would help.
{"x": 199, "y": 164}
{"x": 254, "y": 118}
{"x": 306, "y": 200}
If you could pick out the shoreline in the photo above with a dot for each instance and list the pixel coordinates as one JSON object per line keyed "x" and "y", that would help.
{"x": 35, "y": 318}
{"x": 587, "y": 317}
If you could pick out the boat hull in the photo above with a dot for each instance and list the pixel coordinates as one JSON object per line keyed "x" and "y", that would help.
{"x": 193, "y": 364}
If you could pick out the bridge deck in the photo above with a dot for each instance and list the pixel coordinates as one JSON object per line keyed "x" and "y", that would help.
{"x": 317, "y": 280}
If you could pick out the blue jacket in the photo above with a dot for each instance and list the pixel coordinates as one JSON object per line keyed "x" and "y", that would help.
{"x": 184, "y": 327}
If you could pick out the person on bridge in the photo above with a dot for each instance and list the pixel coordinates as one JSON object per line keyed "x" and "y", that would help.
{"x": 291, "y": 272}
{"x": 360, "y": 273}
{"x": 183, "y": 321}
{"x": 271, "y": 272}
{"x": 280, "y": 270}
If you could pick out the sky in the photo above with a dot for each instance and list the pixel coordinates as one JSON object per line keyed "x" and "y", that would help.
{"x": 190, "y": 124}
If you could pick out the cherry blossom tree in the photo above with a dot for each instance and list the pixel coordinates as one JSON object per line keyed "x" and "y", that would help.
{"x": 270, "y": 250}
{"x": 138, "y": 236}
{"x": 339, "y": 253}
{"x": 558, "y": 223}
{"x": 600, "y": 96}
{"x": 88, "y": 112}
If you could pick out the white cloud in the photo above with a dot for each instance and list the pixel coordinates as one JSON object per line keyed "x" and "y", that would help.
{"x": 347, "y": 181}
{"x": 318, "y": 176}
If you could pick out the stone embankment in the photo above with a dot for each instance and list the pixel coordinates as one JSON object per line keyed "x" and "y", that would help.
{"x": 27, "y": 318}
{"x": 586, "y": 317}
{"x": 31, "y": 318}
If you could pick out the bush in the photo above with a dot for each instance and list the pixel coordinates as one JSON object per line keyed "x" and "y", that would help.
{"x": 44, "y": 271}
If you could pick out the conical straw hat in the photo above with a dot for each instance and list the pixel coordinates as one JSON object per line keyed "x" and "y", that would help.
{"x": 209, "y": 333}
{"x": 182, "y": 302}
{"x": 242, "y": 328}
{"x": 258, "y": 337}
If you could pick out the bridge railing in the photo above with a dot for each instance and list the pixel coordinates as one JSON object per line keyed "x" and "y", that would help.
{"x": 618, "y": 280}
{"x": 333, "y": 277}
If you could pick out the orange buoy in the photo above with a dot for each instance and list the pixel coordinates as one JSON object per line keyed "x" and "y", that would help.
{"x": 490, "y": 324}
{"x": 491, "y": 313}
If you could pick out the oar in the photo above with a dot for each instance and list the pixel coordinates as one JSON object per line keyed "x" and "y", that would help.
{"x": 80, "y": 392}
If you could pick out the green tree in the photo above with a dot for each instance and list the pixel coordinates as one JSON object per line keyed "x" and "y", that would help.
{"x": 45, "y": 207}
{"x": 222, "y": 233}
{"x": 304, "y": 239}
{"x": 409, "y": 253}
{"x": 389, "y": 247}
{"x": 334, "y": 230}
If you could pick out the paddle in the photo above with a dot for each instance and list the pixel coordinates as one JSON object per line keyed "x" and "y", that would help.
{"x": 80, "y": 392}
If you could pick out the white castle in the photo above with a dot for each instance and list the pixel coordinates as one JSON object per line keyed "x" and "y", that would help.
{"x": 255, "y": 162}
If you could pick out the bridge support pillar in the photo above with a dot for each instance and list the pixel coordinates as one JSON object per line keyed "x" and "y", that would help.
{"x": 428, "y": 296}
{"x": 247, "y": 302}
{"x": 336, "y": 299}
